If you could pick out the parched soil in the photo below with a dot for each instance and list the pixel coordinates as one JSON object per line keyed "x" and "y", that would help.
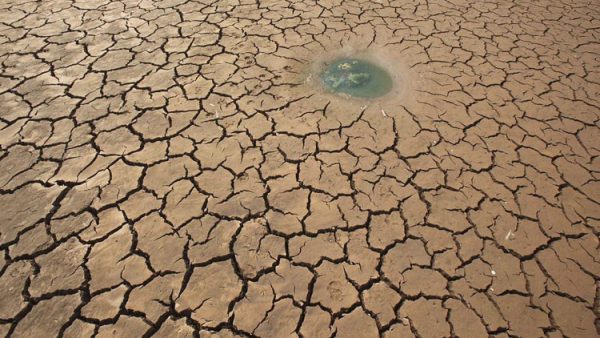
{"x": 175, "y": 169}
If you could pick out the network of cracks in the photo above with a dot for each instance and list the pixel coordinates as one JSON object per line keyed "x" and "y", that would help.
{"x": 182, "y": 168}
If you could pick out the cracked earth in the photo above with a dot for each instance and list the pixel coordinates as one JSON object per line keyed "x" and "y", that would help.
{"x": 173, "y": 169}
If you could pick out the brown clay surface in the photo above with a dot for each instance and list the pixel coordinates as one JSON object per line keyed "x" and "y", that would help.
{"x": 173, "y": 169}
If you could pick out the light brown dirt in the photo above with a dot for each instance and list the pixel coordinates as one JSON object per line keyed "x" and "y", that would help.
{"x": 174, "y": 168}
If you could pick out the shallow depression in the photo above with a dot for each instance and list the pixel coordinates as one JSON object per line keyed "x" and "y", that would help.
{"x": 356, "y": 77}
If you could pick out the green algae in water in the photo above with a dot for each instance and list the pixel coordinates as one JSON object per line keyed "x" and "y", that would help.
{"x": 356, "y": 77}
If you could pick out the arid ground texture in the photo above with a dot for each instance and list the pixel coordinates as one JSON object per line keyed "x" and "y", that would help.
{"x": 176, "y": 168}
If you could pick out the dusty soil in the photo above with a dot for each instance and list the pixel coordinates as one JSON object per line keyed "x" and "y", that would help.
{"x": 174, "y": 168}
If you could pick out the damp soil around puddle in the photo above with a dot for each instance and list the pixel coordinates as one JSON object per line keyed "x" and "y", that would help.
{"x": 356, "y": 77}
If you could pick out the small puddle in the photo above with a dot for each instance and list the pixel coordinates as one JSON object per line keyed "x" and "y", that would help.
{"x": 356, "y": 77}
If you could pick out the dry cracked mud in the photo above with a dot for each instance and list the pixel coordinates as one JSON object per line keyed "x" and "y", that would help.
{"x": 173, "y": 169}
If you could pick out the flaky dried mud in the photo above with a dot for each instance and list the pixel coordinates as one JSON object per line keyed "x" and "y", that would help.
{"x": 172, "y": 169}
